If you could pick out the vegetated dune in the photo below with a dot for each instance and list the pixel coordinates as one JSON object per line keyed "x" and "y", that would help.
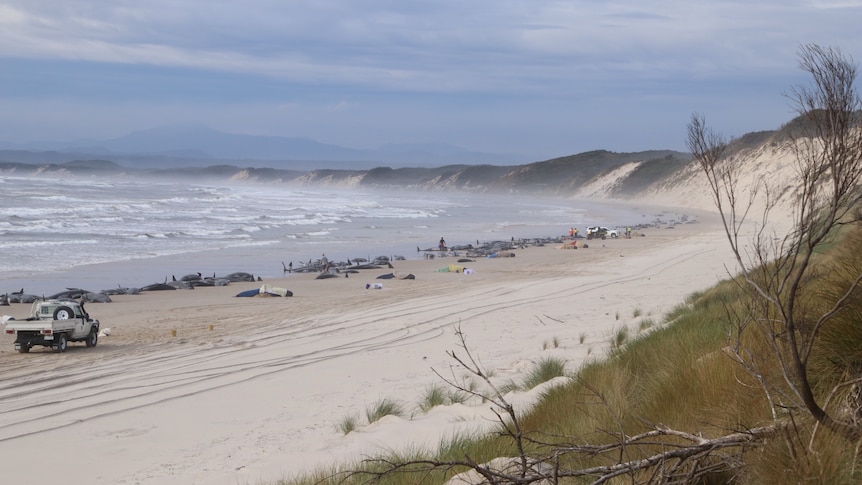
{"x": 661, "y": 175}
{"x": 761, "y": 159}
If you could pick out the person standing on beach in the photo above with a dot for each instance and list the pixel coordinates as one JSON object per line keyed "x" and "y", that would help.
{"x": 324, "y": 263}
{"x": 442, "y": 245}
{"x": 572, "y": 232}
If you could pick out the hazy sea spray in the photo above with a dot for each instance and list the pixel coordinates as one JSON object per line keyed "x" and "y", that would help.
{"x": 50, "y": 225}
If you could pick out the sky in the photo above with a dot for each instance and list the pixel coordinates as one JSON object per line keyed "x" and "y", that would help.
{"x": 533, "y": 78}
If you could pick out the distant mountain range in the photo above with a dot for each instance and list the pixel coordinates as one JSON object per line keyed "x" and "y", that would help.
{"x": 189, "y": 145}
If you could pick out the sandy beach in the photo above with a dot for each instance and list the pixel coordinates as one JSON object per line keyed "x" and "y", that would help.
{"x": 250, "y": 390}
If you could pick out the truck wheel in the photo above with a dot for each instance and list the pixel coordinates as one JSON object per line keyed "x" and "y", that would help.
{"x": 93, "y": 338}
{"x": 61, "y": 343}
{"x": 63, "y": 313}
{"x": 24, "y": 348}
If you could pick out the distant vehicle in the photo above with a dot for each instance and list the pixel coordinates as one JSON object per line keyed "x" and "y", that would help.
{"x": 601, "y": 232}
{"x": 54, "y": 323}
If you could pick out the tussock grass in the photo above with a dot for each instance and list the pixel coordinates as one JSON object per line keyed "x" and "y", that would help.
{"x": 619, "y": 339}
{"x": 458, "y": 397}
{"x": 435, "y": 395}
{"x": 440, "y": 395}
{"x": 348, "y": 424}
{"x": 645, "y": 324}
{"x": 508, "y": 386}
{"x": 383, "y": 407}
{"x": 833, "y": 461}
{"x": 554, "y": 343}
{"x": 545, "y": 369}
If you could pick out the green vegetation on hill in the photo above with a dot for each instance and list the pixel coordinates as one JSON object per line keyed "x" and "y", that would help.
{"x": 463, "y": 177}
{"x": 648, "y": 173}
{"x": 567, "y": 174}
{"x": 94, "y": 164}
{"x": 552, "y": 177}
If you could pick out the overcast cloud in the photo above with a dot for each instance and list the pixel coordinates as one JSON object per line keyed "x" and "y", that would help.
{"x": 535, "y": 78}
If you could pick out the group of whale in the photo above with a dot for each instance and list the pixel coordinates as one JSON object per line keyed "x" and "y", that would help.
{"x": 489, "y": 248}
{"x": 187, "y": 282}
{"x": 334, "y": 269}
{"x": 327, "y": 269}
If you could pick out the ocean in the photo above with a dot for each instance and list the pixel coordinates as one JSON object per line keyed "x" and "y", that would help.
{"x": 57, "y": 233}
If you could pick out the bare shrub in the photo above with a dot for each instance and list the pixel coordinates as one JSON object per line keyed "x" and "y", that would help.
{"x": 779, "y": 271}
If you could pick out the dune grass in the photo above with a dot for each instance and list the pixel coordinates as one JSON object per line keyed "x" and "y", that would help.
{"x": 348, "y": 424}
{"x": 618, "y": 339}
{"x": 383, "y": 407}
{"x": 458, "y": 397}
{"x": 435, "y": 395}
{"x": 553, "y": 344}
{"x": 683, "y": 375}
{"x": 646, "y": 324}
{"x": 544, "y": 370}
{"x": 509, "y": 386}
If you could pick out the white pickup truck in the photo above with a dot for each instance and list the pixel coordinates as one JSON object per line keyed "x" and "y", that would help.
{"x": 602, "y": 232}
{"x": 54, "y": 323}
